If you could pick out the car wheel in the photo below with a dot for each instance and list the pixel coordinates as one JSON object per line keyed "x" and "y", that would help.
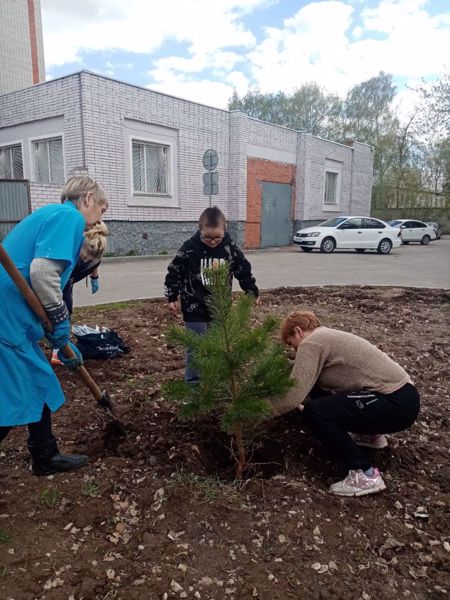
{"x": 305, "y": 249}
{"x": 328, "y": 245}
{"x": 425, "y": 240}
{"x": 384, "y": 247}
{"x": 360, "y": 250}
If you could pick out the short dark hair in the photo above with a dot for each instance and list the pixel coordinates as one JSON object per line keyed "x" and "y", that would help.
{"x": 212, "y": 217}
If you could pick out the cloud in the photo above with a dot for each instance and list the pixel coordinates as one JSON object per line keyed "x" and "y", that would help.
{"x": 211, "y": 93}
{"x": 397, "y": 36}
{"x": 416, "y": 43}
{"x": 141, "y": 26}
{"x": 311, "y": 46}
{"x": 335, "y": 43}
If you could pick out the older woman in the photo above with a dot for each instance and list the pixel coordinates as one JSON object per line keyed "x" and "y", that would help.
{"x": 344, "y": 383}
{"x": 45, "y": 248}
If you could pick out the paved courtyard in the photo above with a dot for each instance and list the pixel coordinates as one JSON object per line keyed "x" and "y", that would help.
{"x": 412, "y": 265}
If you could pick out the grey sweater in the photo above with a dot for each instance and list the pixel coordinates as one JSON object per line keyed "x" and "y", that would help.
{"x": 338, "y": 361}
{"x": 45, "y": 277}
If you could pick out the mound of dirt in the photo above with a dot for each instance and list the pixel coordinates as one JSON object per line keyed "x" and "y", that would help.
{"x": 158, "y": 515}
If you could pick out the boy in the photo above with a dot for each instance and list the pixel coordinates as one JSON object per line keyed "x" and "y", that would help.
{"x": 185, "y": 276}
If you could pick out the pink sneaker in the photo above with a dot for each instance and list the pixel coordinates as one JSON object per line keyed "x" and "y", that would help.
{"x": 358, "y": 484}
{"x": 54, "y": 359}
{"x": 375, "y": 440}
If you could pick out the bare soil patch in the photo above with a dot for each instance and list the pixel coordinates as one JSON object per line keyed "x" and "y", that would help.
{"x": 159, "y": 516}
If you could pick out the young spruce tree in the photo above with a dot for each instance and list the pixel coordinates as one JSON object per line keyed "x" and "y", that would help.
{"x": 240, "y": 366}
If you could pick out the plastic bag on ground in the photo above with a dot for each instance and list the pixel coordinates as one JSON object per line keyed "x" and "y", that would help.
{"x": 99, "y": 342}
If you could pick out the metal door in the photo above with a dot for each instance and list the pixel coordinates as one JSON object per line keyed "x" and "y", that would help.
{"x": 14, "y": 203}
{"x": 350, "y": 234}
{"x": 276, "y": 226}
{"x": 373, "y": 232}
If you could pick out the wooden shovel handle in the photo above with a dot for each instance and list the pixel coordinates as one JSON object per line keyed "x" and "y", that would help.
{"x": 35, "y": 304}
{"x": 32, "y": 300}
{"x": 84, "y": 374}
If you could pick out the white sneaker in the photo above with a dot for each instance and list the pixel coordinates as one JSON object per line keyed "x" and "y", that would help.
{"x": 376, "y": 440}
{"x": 358, "y": 484}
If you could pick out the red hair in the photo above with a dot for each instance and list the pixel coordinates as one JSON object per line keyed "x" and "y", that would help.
{"x": 305, "y": 319}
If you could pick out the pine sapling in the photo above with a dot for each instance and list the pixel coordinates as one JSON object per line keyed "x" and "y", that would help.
{"x": 240, "y": 365}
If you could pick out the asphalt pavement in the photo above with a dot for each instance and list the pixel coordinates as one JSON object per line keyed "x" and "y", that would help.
{"x": 413, "y": 265}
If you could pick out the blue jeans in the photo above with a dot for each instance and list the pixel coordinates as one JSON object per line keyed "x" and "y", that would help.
{"x": 200, "y": 328}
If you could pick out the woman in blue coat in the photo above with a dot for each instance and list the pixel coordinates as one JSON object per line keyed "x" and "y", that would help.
{"x": 45, "y": 248}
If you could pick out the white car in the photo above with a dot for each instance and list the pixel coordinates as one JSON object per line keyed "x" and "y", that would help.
{"x": 414, "y": 231}
{"x": 357, "y": 233}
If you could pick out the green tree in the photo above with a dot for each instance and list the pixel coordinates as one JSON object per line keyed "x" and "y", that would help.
{"x": 309, "y": 108}
{"x": 437, "y": 103}
{"x": 368, "y": 117}
{"x": 436, "y": 166}
{"x": 240, "y": 366}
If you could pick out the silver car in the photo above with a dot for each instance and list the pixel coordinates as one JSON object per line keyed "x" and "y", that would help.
{"x": 414, "y": 231}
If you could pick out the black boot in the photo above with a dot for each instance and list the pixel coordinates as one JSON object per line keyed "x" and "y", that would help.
{"x": 46, "y": 459}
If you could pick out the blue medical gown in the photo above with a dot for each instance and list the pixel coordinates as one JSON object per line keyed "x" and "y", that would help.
{"x": 27, "y": 380}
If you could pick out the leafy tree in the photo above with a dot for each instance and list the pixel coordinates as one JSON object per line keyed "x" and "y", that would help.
{"x": 308, "y": 108}
{"x": 436, "y": 166}
{"x": 240, "y": 366}
{"x": 410, "y": 155}
{"x": 437, "y": 103}
{"x": 368, "y": 117}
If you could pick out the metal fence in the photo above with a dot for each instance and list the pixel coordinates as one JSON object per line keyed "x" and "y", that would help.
{"x": 15, "y": 203}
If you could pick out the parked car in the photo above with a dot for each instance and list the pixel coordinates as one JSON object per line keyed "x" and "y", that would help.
{"x": 414, "y": 231}
{"x": 437, "y": 228}
{"x": 357, "y": 233}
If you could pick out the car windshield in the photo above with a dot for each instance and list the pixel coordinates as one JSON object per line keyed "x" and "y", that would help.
{"x": 394, "y": 223}
{"x": 333, "y": 222}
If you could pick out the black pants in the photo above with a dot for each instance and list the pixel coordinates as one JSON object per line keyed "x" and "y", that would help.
{"x": 40, "y": 432}
{"x": 331, "y": 417}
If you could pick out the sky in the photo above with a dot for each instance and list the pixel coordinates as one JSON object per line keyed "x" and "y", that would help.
{"x": 204, "y": 49}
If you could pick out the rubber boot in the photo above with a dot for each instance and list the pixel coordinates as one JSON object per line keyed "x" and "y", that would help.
{"x": 46, "y": 459}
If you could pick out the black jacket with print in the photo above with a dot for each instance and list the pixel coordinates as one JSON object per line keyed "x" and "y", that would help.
{"x": 185, "y": 274}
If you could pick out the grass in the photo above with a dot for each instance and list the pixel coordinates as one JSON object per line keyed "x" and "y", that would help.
{"x": 3, "y": 571}
{"x": 4, "y": 537}
{"x": 90, "y": 489}
{"x": 208, "y": 489}
{"x": 135, "y": 382}
{"x": 50, "y": 498}
{"x": 88, "y": 312}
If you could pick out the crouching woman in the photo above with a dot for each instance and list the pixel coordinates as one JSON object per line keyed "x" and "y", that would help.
{"x": 343, "y": 383}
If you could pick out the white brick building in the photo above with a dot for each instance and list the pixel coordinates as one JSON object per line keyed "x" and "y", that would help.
{"x": 21, "y": 44}
{"x": 146, "y": 149}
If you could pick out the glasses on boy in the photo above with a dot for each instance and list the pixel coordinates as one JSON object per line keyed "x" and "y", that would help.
{"x": 207, "y": 238}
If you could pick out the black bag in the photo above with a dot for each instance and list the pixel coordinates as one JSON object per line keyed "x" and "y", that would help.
{"x": 102, "y": 344}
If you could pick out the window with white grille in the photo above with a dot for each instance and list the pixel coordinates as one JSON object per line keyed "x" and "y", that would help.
{"x": 11, "y": 162}
{"x": 150, "y": 168}
{"x": 49, "y": 160}
{"x": 331, "y": 186}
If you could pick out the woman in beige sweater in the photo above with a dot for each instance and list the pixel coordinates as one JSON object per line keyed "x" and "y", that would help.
{"x": 344, "y": 383}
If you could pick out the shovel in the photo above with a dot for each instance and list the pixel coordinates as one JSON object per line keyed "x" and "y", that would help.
{"x": 34, "y": 303}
